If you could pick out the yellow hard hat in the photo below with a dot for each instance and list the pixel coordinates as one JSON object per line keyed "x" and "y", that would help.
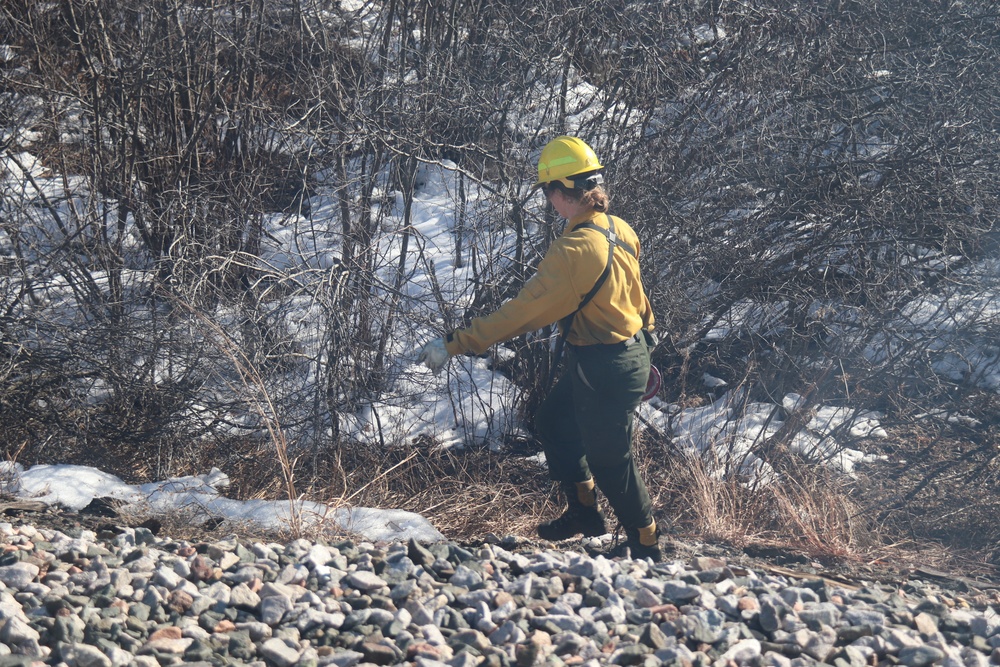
{"x": 565, "y": 157}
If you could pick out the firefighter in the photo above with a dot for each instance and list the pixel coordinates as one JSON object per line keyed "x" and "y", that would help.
{"x": 589, "y": 283}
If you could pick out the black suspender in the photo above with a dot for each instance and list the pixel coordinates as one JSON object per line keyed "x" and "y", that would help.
{"x": 567, "y": 322}
{"x": 613, "y": 242}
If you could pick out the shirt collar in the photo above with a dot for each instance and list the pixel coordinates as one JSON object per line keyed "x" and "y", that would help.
{"x": 577, "y": 219}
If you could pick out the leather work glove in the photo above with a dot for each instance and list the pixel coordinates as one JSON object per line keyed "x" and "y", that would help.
{"x": 434, "y": 355}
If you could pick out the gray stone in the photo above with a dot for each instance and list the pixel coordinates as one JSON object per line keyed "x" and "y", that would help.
{"x": 745, "y": 651}
{"x": 985, "y": 625}
{"x": 647, "y": 598}
{"x": 241, "y": 647}
{"x": 470, "y": 638}
{"x": 925, "y": 623}
{"x": 611, "y": 614}
{"x": 822, "y": 612}
{"x": 572, "y": 624}
{"x": 16, "y": 632}
{"x": 256, "y": 630}
{"x": 920, "y": 656}
{"x": 166, "y": 576}
{"x": 630, "y": 654}
{"x": 708, "y": 626}
{"x": 896, "y": 640}
{"x": 772, "y": 611}
{"x": 245, "y": 574}
{"x": 274, "y": 608}
{"x": 680, "y": 592}
{"x": 464, "y": 659}
{"x": 68, "y": 629}
{"x": 794, "y": 595}
{"x": 852, "y": 656}
{"x": 18, "y": 575}
{"x": 817, "y": 645}
{"x": 465, "y": 577}
{"x": 591, "y": 568}
{"x": 380, "y": 617}
{"x": 380, "y": 653}
{"x": 279, "y": 652}
{"x": 344, "y": 658}
{"x": 243, "y": 598}
{"x": 856, "y": 616}
{"x": 772, "y": 659}
{"x": 653, "y": 637}
{"x": 364, "y": 581}
{"x": 84, "y": 655}
{"x": 507, "y": 634}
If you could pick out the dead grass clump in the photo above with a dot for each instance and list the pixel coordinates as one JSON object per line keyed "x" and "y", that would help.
{"x": 806, "y": 510}
{"x": 465, "y": 493}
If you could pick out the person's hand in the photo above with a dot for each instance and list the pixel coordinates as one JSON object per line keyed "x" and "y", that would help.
{"x": 434, "y": 355}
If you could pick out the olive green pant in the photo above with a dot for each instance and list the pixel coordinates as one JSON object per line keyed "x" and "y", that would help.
{"x": 585, "y": 425}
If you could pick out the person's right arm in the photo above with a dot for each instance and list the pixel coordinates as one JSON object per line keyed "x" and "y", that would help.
{"x": 547, "y": 297}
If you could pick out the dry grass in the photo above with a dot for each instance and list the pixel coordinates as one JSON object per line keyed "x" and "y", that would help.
{"x": 809, "y": 511}
{"x": 466, "y": 494}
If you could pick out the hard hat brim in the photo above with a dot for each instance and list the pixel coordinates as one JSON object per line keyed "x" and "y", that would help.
{"x": 571, "y": 182}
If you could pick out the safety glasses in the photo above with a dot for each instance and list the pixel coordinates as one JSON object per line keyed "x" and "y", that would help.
{"x": 588, "y": 182}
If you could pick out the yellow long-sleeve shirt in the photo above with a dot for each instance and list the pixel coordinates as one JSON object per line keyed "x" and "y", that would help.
{"x": 565, "y": 275}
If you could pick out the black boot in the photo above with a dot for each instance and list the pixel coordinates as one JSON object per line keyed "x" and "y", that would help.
{"x": 578, "y": 517}
{"x": 637, "y": 544}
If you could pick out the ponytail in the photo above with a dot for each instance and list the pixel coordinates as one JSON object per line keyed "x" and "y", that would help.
{"x": 595, "y": 198}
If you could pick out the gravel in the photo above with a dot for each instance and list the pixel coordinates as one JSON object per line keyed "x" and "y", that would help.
{"x": 69, "y": 598}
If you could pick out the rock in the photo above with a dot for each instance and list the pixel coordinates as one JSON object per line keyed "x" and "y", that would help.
{"x": 647, "y": 599}
{"x": 180, "y": 601}
{"x": 653, "y": 637}
{"x": 772, "y": 611}
{"x": 869, "y": 617}
{"x": 465, "y": 577}
{"x": 170, "y": 632}
{"x": 68, "y": 629}
{"x": 18, "y": 634}
{"x": 84, "y": 655}
{"x": 509, "y": 633}
{"x": 470, "y": 638}
{"x": 279, "y": 652}
{"x": 709, "y": 626}
{"x": 379, "y": 654}
{"x": 925, "y": 623}
{"x": 534, "y": 651}
{"x": 852, "y": 656}
{"x": 241, "y": 647}
{"x": 243, "y": 598}
{"x": 825, "y": 613}
{"x": 745, "y": 651}
{"x": 274, "y": 608}
{"x": 168, "y": 578}
{"x": 920, "y": 656}
{"x": 364, "y": 581}
{"x": 169, "y": 646}
{"x": 145, "y": 601}
{"x": 18, "y": 575}
{"x": 680, "y": 592}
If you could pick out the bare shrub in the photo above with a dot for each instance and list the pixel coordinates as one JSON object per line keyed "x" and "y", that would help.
{"x": 813, "y": 185}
